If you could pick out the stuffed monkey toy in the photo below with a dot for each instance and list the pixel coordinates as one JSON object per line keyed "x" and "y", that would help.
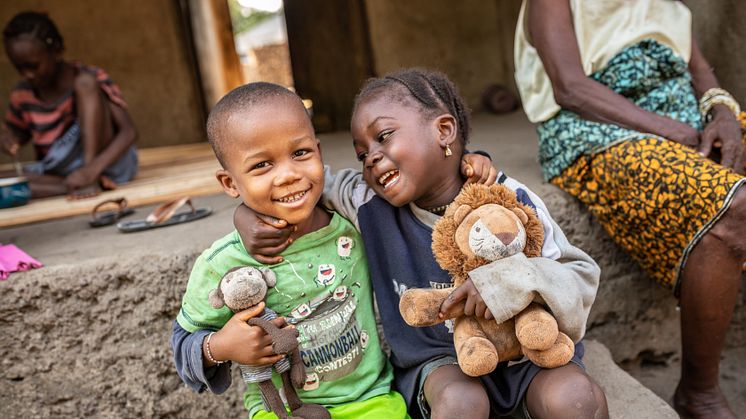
{"x": 241, "y": 289}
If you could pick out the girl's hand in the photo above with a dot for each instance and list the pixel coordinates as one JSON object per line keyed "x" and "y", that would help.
{"x": 474, "y": 306}
{"x": 80, "y": 178}
{"x": 9, "y": 144}
{"x": 263, "y": 236}
{"x": 724, "y": 132}
{"x": 477, "y": 168}
{"x": 241, "y": 343}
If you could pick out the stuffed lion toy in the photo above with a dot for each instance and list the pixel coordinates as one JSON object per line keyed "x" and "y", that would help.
{"x": 483, "y": 225}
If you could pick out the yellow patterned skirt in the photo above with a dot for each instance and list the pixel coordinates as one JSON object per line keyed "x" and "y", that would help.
{"x": 655, "y": 198}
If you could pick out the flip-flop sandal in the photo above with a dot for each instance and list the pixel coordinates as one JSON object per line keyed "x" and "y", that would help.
{"x": 104, "y": 218}
{"x": 165, "y": 215}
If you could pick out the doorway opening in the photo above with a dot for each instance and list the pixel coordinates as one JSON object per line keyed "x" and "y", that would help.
{"x": 261, "y": 39}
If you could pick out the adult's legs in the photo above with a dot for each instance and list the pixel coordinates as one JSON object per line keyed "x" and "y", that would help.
{"x": 565, "y": 392}
{"x": 453, "y": 394}
{"x": 709, "y": 287}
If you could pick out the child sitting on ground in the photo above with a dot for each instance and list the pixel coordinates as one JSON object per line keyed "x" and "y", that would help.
{"x": 409, "y": 130}
{"x": 271, "y": 159}
{"x": 73, "y": 114}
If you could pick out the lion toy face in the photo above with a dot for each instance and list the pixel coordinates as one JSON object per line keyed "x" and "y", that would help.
{"x": 482, "y": 225}
{"x": 492, "y": 232}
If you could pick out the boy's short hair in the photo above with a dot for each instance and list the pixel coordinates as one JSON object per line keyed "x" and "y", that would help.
{"x": 242, "y": 98}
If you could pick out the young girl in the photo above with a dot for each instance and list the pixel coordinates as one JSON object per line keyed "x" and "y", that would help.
{"x": 73, "y": 114}
{"x": 409, "y": 130}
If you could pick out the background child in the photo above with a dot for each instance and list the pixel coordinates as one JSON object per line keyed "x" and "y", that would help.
{"x": 90, "y": 142}
{"x": 409, "y": 130}
{"x": 271, "y": 159}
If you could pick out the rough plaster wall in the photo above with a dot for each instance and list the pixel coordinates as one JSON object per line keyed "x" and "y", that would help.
{"x": 471, "y": 41}
{"x": 720, "y": 31}
{"x": 139, "y": 44}
{"x": 92, "y": 339}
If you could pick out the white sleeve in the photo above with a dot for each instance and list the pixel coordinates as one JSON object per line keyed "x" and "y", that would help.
{"x": 345, "y": 192}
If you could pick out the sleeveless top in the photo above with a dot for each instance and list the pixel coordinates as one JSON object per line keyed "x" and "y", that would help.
{"x": 602, "y": 28}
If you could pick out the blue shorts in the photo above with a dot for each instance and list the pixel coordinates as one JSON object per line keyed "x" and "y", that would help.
{"x": 65, "y": 155}
{"x": 511, "y": 380}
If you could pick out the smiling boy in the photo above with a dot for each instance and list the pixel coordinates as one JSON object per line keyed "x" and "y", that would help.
{"x": 271, "y": 160}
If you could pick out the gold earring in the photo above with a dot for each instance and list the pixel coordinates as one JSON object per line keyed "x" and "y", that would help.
{"x": 448, "y": 150}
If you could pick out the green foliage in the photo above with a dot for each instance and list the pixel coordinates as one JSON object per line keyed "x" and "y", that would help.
{"x": 243, "y": 23}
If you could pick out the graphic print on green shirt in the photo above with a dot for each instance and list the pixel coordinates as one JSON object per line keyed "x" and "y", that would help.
{"x": 323, "y": 288}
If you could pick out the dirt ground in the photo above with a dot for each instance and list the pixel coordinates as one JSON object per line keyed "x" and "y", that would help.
{"x": 661, "y": 376}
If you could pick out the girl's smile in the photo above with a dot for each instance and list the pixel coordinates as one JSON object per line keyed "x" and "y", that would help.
{"x": 389, "y": 179}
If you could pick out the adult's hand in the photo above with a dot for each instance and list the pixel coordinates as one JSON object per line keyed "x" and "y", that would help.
{"x": 681, "y": 133}
{"x": 724, "y": 131}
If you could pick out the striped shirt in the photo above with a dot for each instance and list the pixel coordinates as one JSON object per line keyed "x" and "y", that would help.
{"x": 44, "y": 122}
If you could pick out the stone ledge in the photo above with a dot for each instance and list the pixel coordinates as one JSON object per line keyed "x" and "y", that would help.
{"x": 627, "y": 398}
{"x": 92, "y": 339}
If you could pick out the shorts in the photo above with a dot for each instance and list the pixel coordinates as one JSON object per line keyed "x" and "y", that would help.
{"x": 511, "y": 380}
{"x": 65, "y": 155}
{"x": 389, "y": 406}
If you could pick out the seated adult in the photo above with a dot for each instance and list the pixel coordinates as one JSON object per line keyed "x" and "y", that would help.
{"x": 614, "y": 88}
{"x": 73, "y": 114}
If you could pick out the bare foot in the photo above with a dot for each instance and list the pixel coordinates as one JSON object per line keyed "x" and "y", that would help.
{"x": 85, "y": 192}
{"x": 702, "y": 404}
{"x": 104, "y": 183}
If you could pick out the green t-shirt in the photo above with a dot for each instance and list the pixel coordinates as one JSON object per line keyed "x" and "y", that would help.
{"x": 323, "y": 288}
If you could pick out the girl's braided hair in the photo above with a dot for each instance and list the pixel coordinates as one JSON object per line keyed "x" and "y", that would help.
{"x": 433, "y": 92}
{"x": 36, "y": 24}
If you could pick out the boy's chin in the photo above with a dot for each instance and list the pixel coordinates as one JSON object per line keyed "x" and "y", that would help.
{"x": 294, "y": 217}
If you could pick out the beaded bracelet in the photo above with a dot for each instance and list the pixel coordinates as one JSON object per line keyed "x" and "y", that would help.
{"x": 717, "y": 96}
{"x": 209, "y": 353}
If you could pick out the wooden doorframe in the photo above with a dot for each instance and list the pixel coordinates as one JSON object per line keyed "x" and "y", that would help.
{"x": 213, "y": 50}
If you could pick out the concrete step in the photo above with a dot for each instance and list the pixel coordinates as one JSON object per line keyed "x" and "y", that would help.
{"x": 92, "y": 339}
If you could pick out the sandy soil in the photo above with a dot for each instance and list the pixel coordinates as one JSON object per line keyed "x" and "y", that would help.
{"x": 661, "y": 376}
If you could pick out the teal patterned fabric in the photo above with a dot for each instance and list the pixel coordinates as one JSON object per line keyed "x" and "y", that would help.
{"x": 647, "y": 73}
